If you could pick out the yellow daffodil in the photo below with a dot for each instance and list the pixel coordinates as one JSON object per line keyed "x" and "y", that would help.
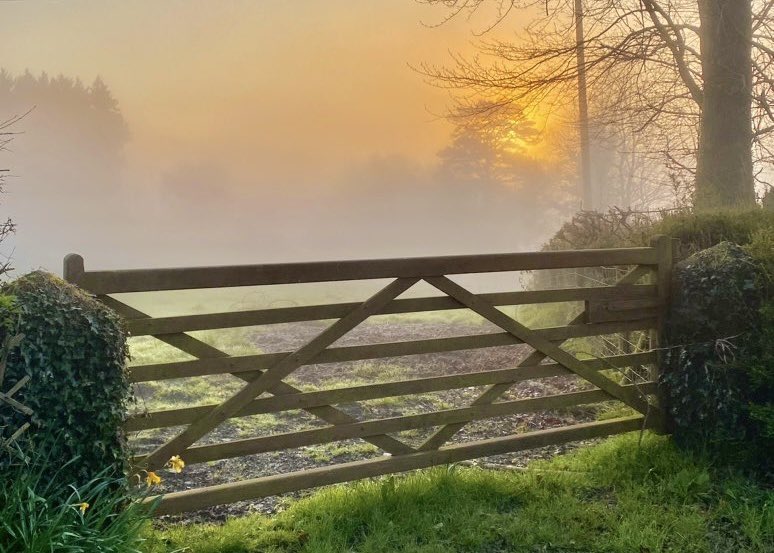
{"x": 82, "y": 507}
{"x": 176, "y": 464}
{"x": 152, "y": 478}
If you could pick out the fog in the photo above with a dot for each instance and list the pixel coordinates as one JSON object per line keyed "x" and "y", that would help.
{"x": 203, "y": 213}
{"x": 163, "y": 149}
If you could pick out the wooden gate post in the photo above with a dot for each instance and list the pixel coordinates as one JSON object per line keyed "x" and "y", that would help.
{"x": 666, "y": 248}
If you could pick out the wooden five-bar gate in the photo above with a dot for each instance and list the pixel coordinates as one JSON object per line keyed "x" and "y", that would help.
{"x": 632, "y": 304}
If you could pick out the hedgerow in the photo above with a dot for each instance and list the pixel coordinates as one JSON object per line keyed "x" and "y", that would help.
{"x": 716, "y": 384}
{"x": 74, "y": 351}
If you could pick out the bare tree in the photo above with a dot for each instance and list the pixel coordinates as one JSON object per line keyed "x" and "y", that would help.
{"x": 696, "y": 75}
{"x": 7, "y": 227}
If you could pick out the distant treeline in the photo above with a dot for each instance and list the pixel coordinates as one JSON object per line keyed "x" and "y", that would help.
{"x": 63, "y": 113}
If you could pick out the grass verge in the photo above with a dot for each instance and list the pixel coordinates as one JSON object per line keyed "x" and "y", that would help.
{"x": 618, "y": 496}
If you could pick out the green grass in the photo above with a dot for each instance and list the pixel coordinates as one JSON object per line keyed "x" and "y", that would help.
{"x": 40, "y": 512}
{"x": 187, "y": 392}
{"x": 359, "y": 374}
{"x": 146, "y": 350}
{"x": 619, "y": 496}
{"x": 252, "y": 425}
{"x": 331, "y": 451}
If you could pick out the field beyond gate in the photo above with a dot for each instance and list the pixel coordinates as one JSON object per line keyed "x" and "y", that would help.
{"x": 627, "y": 306}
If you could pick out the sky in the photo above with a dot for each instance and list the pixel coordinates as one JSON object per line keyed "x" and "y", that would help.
{"x": 260, "y": 84}
{"x": 280, "y": 104}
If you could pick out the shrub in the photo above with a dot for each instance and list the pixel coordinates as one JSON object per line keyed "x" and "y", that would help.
{"x": 716, "y": 379}
{"x": 761, "y": 362}
{"x": 698, "y": 231}
{"x": 74, "y": 351}
{"x": 8, "y": 341}
{"x": 8, "y": 315}
{"x": 761, "y": 248}
{"x": 618, "y": 228}
{"x": 594, "y": 230}
{"x": 615, "y": 228}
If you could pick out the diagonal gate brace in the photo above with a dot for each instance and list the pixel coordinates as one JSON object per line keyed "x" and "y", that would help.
{"x": 202, "y": 350}
{"x": 443, "y": 434}
{"x": 274, "y": 375}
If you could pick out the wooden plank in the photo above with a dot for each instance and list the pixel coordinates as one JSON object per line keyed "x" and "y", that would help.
{"x": 290, "y": 440}
{"x": 622, "y": 310}
{"x": 197, "y": 348}
{"x": 541, "y": 344}
{"x": 18, "y": 386}
{"x": 73, "y": 269}
{"x": 635, "y": 275}
{"x": 338, "y": 396}
{"x": 275, "y": 374}
{"x": 234, "y": 319}
{"x": 200, "y": 498}
{"x": 15, "y": 404}
{"x": 145, "y": 280}
{"x": 666, "y": 249}
{"x": 250, "y": 363}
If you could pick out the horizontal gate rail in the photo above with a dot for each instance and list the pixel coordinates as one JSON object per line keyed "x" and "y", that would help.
{"x": 189, "y": 323}
{"x": 250, "y": 363}
{"x": 238, "y": 448}
{"x": 151, "y": 280}
{"x": 628, "y": 307}
{"x": 272, "y": 485}
{"x": 352, "y": 394}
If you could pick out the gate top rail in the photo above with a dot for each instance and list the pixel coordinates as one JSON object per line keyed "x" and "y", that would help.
{"x": 146, "y": 280}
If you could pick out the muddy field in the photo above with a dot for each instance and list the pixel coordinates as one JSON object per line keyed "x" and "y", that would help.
{"x": 287, "y": 337}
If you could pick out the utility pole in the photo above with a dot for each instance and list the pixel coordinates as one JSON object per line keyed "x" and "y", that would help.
{"x": 583, "y": 112}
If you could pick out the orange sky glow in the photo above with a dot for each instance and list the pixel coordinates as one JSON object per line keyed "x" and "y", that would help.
{"x": 267, "y": 86}
{"x": 265, "y": 118}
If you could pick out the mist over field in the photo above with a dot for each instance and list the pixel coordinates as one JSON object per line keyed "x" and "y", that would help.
{"x": 266, "y": 146}
{"x": 200, "y": 213}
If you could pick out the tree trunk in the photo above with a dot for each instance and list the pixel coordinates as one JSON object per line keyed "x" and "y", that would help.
{"x": 724, "y": 176}
{"x": 587, "y": 194}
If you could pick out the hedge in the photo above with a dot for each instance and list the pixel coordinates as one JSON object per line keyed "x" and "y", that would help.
{"x": 74, "y": 351}
{"x": 714, "y": 384}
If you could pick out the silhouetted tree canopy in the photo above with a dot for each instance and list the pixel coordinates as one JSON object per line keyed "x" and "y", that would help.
{"x": 68, "y": 165}
{"x": 489, "y": 149}
{"x": 65, "y": 115}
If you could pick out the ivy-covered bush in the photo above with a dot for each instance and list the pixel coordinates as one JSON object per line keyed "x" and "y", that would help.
{"x": 74, "y": 351}
{"x": 716, "y": 381}
{"x": 761, "y": 362}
